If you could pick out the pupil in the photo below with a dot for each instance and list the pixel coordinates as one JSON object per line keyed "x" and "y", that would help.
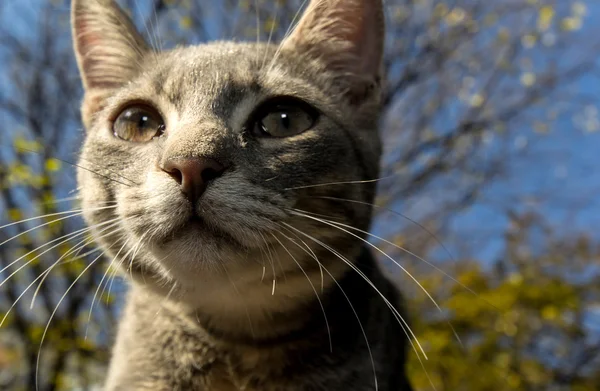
{"x": 143, "y": 121}
{"x": 285, "y": 120}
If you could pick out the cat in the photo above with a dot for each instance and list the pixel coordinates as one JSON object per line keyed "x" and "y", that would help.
{"x": 227, "y": 165}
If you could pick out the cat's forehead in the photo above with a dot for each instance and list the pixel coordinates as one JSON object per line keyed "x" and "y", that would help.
{"x": 217, "y": 74}
{"x": 222, "y": 78}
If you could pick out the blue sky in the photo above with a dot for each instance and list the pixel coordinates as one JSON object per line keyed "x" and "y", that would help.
{"x": 561, "y": 164}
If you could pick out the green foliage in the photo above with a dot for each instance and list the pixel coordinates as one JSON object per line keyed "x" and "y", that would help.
{"x": 517, "y": 330}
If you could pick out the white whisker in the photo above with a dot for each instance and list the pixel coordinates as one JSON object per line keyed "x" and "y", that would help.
{"x": 115, "y": 222}
{"x": 75, "y": 212}
{"x": 337, "y": 225}
{"x": 311, "y": 253}
{"x": 68, "y": 237}
{"x": 37, "y": 364}
{"x": 100, "y": 285}
{"x": 286, "y": 35}
{"x": 341, "y": 183}
{"x": 42, "y": 275}
{"x": 272, "y": 261}
{"x": 312, "y": 286}
{"x": 270, "y": 35}
{"x": 403, "y": 269}
{"x": 403, "y": 323}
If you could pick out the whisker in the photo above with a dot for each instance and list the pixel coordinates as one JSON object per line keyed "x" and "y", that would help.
{"x": 65, "y": 199}
{"x": 166, "y": 298}
{"x": 401, "y": 267}
{"x": 115, "y": 267}
{"x": 37, "y": 364}
{"x": 272, "y": 261}
{"x": 87, "y": 169}
{"x": 45, "y": 273}
{"x": 286, "y": 35}
{"x": 257, "y": 23}
{"x": 270, "y": 34}
{"x": 402, "y": 322}
{"x": 439, "y": 242}
{"x": 313, "y": 288}
{"x": 342, "y": 183}
{"x": 245, "y": 305}
{"x": 77, "y": 211}
{"x": 69, "y": 237}
{"x": 100, "y": 285}
{"x": 137, "y": 248}
{"x": 87, "y": 242}
{"x": 312, "y": 254}
{"x": 120, "y": 264}
{"x": 335, "y": 225}
{"x": 405, "y": 217}
{"x": 322, "y": 267}
{"x": 78, "y": 246}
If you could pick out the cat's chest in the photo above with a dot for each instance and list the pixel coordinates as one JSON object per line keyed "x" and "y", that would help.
{"x": 202, "y": 365}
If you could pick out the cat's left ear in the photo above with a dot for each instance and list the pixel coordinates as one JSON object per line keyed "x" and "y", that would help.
{"x": 346, "y": 37}
{"x": 108, "y": 48}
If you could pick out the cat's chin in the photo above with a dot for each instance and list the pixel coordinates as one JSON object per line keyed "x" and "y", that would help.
{"x": 197, "y": 246}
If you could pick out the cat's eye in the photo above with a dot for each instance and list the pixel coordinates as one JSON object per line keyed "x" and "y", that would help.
{"x": 138, "y": 123}
{"x": 284, "y": 117}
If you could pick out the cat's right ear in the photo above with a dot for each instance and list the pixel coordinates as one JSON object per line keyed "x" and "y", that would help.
{"x": 108, "y": 49}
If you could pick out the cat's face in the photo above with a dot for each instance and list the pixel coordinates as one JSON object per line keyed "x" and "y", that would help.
{"x": 209, "y": 152}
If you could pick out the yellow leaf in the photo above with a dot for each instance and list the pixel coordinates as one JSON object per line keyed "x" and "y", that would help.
{"x": 490, "y": 19}
{"x": 540, "y": 127}
{"x": 21, "y": 172}
{"x": 270, "y": 24}
{"x": 503, "y": 35}
{"x": 514, "y": 381}
{"x": 52, "y": 165}
{"x": 579, "y": 9}
{"x": 244, "y": 4}
{"x": 515, "y": 279}
{"x": 528, "y": 79}
{"x": 571, "y": 24}
{"x": 15, "y": 214}
{"x": 24, "y": 145}
{"x": 545, "y": 17}
{"x": 47, "y": 198}
{"x": 186, "y": 23}
{"x": 35, "y": 333}
{"x": 476, "y": 100}
{"x": 456, "y": 16}
{"x": 550, "y": 312}
{"x": 85, "y": 344}
{"x": 528, "y": 41}
{"x": 440, "y": 10}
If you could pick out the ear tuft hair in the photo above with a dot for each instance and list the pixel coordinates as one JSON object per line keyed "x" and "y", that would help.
{"x": 108, "y": 48}
{"x": 347, "y": 36}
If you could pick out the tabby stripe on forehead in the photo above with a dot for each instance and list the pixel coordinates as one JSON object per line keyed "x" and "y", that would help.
{"x": 159, "y": 79}
{"x": 175, "y": 96}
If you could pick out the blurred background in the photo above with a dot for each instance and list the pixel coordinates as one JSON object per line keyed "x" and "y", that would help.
{"x": 490, "y": 196}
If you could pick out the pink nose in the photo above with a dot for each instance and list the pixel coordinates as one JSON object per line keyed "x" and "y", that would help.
{"x": 193, "y": 174}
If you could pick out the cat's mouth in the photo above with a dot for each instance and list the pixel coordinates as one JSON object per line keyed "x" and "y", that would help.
{"x": 200, "y": 230}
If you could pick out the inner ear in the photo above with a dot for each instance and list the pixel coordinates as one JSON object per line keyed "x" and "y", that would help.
{"x": 347, "y": 36}
{"x": 108, "y": 48}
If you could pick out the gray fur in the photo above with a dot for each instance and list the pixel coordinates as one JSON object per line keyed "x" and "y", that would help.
{"x": 204, "y": 312}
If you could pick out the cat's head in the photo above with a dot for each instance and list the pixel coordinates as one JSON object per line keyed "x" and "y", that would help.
{"x": 209, "y": 153}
